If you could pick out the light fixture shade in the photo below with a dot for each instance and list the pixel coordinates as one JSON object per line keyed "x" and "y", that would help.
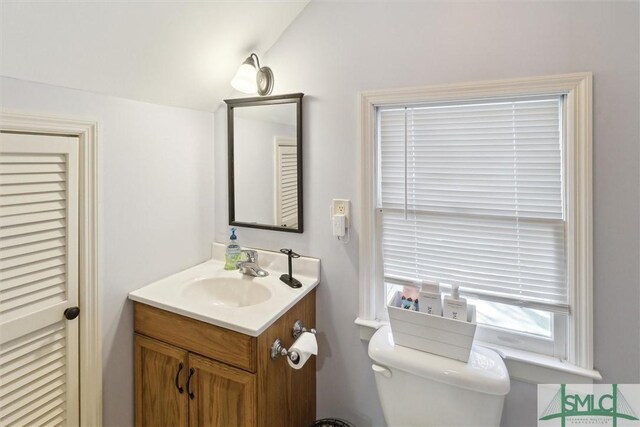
{"x": 245, "y": 78}
{"x": 252, "y": 78}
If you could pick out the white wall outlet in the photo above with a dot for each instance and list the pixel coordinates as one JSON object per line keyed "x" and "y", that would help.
{"x": 341, "y": 207}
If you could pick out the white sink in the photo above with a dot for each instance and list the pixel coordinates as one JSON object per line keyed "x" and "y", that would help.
{"x": 230, "y": 299}
{"x": 227, "y": 292}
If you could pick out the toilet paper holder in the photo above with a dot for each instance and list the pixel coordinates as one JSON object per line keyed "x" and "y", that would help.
{"x": 298, "y": 329}
{"x": 278, "y": 349}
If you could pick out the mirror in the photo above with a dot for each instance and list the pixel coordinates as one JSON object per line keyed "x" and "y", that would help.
{"x": 265, "y": 162}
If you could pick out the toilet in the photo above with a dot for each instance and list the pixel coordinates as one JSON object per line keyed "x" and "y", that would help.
{"x": 422, "y": 389}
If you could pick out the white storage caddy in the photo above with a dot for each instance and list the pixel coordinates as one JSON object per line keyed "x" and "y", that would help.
{"x": 433, "y": 334}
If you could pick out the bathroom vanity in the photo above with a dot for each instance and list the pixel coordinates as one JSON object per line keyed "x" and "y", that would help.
{"x": 203, "y": 347}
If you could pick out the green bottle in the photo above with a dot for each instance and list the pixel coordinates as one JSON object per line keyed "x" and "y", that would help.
{"x": 232, "y": 255}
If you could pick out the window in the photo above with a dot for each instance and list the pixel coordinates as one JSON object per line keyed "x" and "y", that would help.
{"x": 470, "y": 193}
{"x": 485, "y": 186}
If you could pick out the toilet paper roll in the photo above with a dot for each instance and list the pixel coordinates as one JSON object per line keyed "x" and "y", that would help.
{"x": 305, "y": 346}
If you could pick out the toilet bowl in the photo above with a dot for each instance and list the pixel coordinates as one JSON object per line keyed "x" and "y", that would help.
{"x": 422, "y": 389}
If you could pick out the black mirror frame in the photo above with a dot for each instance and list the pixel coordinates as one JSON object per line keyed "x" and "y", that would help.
{"x": 293, "y": 98}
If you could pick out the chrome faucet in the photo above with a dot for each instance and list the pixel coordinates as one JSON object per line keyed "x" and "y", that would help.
{"x": 250, "y": 265}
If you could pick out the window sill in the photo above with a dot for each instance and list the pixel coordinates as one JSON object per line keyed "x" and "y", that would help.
{"x": 522, "y": 365}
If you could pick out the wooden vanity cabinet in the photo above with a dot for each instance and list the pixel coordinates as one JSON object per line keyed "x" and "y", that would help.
{"x": 223, "y": 395}
{"x": 158, "y": 368}
{"x": 227, "y": 379}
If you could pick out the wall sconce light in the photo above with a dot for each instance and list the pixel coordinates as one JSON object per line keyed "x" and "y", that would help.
{"x": 252, "y": 78}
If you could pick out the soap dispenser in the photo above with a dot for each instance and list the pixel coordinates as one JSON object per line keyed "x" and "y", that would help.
{"x": 232, "y": 255}
{"x": 430, "y": 298}
{"x": 455, "y": 307}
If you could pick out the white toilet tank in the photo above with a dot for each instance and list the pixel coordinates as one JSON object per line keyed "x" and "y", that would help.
{"x": 422, "y": 389}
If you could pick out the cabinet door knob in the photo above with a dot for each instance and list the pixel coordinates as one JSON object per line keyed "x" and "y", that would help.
{"x": 71, "y": 313}
{"x": 180, "y": 389}
{"x": 189, "y": 392}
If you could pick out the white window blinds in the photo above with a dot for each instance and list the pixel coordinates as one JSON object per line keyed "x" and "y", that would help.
{"x": 472, "y": 194}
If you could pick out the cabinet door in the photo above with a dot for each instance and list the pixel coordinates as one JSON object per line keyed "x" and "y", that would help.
{"x": 160, "y": 384}
{"x": 222, "y": 396}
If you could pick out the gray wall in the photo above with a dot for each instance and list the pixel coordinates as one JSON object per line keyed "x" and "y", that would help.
{"x": 156, "y": 206}
{"x": 333, "y": 50}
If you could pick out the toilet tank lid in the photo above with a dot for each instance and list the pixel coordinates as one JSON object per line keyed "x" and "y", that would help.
{"x": 484, "y": 373}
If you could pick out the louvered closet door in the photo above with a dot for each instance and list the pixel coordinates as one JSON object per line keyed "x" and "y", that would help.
{"x": 38, "y": 280}
{"x": 287, "y": 184}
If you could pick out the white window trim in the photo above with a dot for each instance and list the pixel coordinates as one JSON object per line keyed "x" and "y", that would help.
{"x": 577, "y": 88}
{"x": 89, "y": 274}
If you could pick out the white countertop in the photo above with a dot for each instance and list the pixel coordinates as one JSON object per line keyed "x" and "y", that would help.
{"x": 169, "y": 293}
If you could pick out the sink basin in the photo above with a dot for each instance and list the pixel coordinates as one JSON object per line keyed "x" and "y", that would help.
{"x": 238, "y": 302}
{"x": 227, "y": 292}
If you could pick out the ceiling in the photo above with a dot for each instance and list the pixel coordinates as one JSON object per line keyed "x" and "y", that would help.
{"x": 172, "y": 53}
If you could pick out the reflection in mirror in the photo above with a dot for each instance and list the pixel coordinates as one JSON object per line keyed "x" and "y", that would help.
{"x": 265, "y": 165}
{"x": 264, "y": 149}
